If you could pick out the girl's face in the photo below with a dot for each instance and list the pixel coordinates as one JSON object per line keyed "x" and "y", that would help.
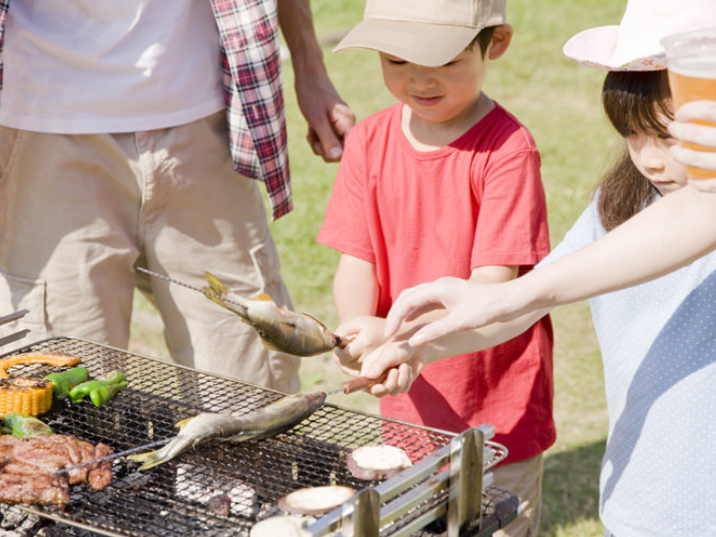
{"x": 652, "y": 158}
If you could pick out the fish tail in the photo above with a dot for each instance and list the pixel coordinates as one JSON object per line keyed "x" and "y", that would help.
{"x": 219, "y": 290}
{"x": 215, "y": 284}
{"x": 159, "y": 456}
{"x": 183, "y": 423}
{"x": 164, "y": 454}
{"x": 151, "y": 464}
{"x": 149, "y": 458}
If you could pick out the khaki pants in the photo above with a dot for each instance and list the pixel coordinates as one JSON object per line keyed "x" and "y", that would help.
{"x": 524, "y": 478}
{"x": 79, "y": 212}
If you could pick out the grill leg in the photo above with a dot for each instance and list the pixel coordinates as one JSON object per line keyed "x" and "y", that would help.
{"x": 361, "y": 516}
{"x": 466, "y": 469}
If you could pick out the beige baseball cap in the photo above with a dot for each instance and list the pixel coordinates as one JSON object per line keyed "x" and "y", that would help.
{"x": 426, "y": 32}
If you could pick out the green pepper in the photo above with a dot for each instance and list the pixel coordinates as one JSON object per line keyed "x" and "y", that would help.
{"x": 101, "y": 390}
{"x": 24, "y": 426}
{"x": 64, "y": 381}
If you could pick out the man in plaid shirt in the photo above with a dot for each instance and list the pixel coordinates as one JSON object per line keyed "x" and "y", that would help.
{"x": 132, "y": 134}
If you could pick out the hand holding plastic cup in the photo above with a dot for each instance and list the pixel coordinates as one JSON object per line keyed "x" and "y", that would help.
{"x": 691, "y": 57}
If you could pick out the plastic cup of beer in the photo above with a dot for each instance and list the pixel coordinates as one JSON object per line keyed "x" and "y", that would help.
{"x": 691, "y": 58}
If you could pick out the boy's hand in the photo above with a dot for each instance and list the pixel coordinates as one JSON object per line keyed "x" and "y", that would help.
{"x": 403, "y": 361}
{"x": 363, "y": 335}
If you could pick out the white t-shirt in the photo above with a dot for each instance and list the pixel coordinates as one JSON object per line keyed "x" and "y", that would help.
{"x": 89, "y": 66}
{"x": 658, "y": 345}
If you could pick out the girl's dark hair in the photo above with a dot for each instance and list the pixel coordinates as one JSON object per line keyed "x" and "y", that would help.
{"x": 635, "y": 102}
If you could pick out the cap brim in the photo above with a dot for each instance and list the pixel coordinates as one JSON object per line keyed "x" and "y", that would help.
{"x": 599, "y": 48}
{"x": 431, "y": 45}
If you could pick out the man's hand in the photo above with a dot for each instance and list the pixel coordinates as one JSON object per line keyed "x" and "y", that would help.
{"x": 329, "y": 117}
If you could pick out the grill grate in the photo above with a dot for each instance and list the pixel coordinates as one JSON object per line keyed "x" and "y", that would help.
{"x": 253, "y": 474}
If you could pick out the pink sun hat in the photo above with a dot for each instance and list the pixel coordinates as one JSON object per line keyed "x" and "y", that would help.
{"x": 633, "y": 45}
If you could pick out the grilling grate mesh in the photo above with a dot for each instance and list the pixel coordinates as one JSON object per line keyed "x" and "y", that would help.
{"x": 173, "y": 499}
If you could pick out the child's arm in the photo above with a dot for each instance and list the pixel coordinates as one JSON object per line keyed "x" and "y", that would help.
{"x": 355, "y": 288}
{"x": 494, "y": 274}
{"x": 355, "y": 293}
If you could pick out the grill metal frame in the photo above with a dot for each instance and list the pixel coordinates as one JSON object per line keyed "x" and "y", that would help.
{"x": 254, "y": 474}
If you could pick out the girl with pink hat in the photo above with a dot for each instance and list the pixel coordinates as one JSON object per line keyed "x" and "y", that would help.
{"x": 658, "y": 339}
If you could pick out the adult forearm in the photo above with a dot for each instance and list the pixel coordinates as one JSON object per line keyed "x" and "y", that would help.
{"x": 669, "y": 234}
{"x": 469, "y": 341}
{"x": 296, "y": 22}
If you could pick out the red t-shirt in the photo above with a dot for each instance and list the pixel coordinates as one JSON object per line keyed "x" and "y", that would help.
{"x": 422, "y": 215}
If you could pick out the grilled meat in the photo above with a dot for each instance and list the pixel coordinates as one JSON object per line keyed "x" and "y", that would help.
{"x": 7, "y": 444}
{"x": 25, "y": 476}
{"x": 32, "y": 488}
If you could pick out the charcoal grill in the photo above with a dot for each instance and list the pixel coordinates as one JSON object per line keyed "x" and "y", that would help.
{"x": 439, "y": 493}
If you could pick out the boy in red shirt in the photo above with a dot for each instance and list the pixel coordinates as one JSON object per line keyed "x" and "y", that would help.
{"x": 446, "y": 183}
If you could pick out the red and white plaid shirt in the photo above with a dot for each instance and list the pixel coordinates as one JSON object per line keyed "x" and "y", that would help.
{"x": 252, "y": 89}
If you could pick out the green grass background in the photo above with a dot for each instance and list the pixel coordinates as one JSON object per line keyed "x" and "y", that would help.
{"x": 559, "y": 101}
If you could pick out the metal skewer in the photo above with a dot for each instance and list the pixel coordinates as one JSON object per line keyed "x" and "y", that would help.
{"x": 16, "y": 335}
{"x": 113, "y": 456}
{"x": 188, "y": 286}
{"x": 13, "y": 317}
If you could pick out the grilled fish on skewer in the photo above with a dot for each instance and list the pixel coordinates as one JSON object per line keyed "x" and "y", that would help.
{"x": 280, "y": 329}
{"x": 271, "y": 420}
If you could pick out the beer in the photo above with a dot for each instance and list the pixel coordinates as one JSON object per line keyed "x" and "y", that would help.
{"x": 692, "y": 77}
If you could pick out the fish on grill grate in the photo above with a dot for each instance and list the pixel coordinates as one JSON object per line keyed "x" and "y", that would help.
{"x": 270, "y": 420}
{"x": 27, "y": 465}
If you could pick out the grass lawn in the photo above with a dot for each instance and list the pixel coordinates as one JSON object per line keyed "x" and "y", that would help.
{"x": 559, "y": 101}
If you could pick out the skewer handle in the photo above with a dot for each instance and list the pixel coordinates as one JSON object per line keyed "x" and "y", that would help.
{"x": 360, "y": 383}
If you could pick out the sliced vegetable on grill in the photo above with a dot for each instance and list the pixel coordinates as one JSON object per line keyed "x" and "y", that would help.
{"x": 270, "y": 420}
{"x": 280, "y": 329}
{"x": 27, "y": 396}
{"x": 64, "y": 381}
{"x": 282, "y": 526}
{"x": 377, "y": 462}
{"x": 100, "y": 390}
{"x": 315, "y": 500}
{"x": 59, "y": 359}
{"x": 23, "y": 426}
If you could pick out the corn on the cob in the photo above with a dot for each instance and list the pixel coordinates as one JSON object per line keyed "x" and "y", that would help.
{"x": 27, "y": 396}
{"x": 58, "y": 359}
